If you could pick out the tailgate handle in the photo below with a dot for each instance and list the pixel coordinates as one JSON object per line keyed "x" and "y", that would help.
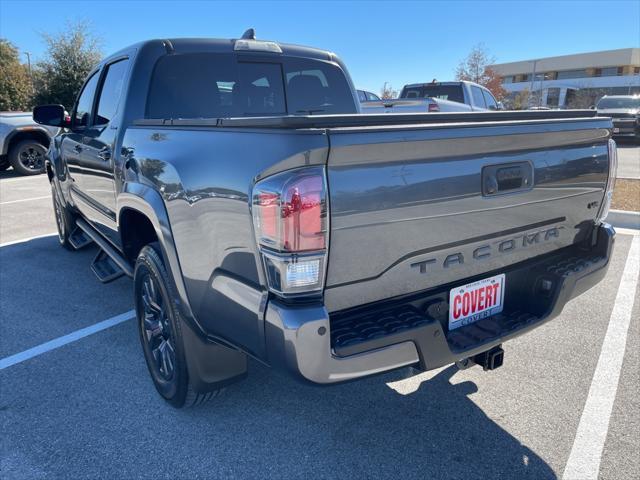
{"x": 507, "y": 178}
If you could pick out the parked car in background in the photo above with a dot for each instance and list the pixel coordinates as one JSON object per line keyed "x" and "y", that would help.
{"x": 625, "y": 112}
{"x": 260, "y": 215}
{"x": 23, "y": 142}
{"x": 365, "y": 96}
{"x": 460, "y": 96}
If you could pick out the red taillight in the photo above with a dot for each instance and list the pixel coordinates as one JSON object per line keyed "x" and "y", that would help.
{"x": 290, "y": 211}
{"x": 290, "y": 221}
{"x": 434, "y": 107}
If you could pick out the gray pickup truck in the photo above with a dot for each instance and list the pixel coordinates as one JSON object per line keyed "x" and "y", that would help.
{"x": 23, "y": 143}
{"x": 261, "y": 216}
{"x": 625, "y": 112}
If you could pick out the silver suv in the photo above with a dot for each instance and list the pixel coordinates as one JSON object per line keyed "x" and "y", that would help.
{"x": 23, "y": 143}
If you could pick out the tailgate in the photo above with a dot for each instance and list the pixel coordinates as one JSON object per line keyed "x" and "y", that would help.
{"x": 421, "y": 206}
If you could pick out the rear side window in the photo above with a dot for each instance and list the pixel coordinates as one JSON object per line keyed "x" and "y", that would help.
{"x": 209, "y": 85}
{"x": 111, "y": 92}
{"x": 372, "y": 97}
{"x": 478, "y": 99}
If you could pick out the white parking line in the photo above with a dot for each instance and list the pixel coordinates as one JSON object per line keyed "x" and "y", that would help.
{"x": 64, "y": 340}
{"x": 24, "y": 200}
{"x": 28, "y": 239}
{"x": 586, "y": 454}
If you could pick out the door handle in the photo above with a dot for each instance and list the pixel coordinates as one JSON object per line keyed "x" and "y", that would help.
{"x": 77, "y": 148}
{"x": 104, "y": 153}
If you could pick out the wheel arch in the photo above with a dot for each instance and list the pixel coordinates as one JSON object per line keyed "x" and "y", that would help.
{"x": 32, "y": 133}
{"x": 138, "y": 202}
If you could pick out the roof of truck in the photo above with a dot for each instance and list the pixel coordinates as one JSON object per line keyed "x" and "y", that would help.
{"x": 226, "y": 45}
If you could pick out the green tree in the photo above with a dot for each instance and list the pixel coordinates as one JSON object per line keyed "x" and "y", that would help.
{"x": 71, "y": 54}
{"x": 15, "y": 84}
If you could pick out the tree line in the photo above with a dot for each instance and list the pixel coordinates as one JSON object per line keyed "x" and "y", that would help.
{"x": 57, "y": 78}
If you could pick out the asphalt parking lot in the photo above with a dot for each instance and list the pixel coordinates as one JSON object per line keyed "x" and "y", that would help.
{"x": 564, "y": 405}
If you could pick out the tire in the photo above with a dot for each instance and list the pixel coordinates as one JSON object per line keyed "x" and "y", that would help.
{"x": 27, "y": 157}
{"x": 159, "y": 328}
{"x": 65, "y": 221}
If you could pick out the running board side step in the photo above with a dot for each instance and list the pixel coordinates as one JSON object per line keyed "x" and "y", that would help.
{"x": 78, "y": 239}
{"x": 109, "y": 264}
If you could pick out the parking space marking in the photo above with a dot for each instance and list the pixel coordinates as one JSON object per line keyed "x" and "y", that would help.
{"x": 64, "y": 340}
{"x": 24, "y": 200}
{"x": 585, "y": 457}
{"x": 28, "y": 239}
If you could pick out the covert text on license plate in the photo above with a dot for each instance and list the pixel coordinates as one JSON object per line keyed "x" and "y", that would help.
{"x": 475, "y": 301}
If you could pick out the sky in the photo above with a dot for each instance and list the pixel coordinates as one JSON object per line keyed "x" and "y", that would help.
{"x": 380, "y": 41}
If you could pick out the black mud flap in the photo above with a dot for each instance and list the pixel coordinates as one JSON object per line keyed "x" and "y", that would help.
{"x": 211, "y": 366}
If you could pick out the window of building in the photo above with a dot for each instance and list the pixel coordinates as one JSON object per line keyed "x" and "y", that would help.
{"x": 608, "y": 71}
{"x": 508, "y": 79}
{"x": 572, "y": 74}
{"x": 553, "y": 97}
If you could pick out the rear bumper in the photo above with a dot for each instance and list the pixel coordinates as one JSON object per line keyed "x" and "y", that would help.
{"x": 413, "y": 330}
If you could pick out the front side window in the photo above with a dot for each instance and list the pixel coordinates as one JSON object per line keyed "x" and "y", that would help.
{"x": 478, "y": 99}
{"x": 111, "y": 92}
{"x": 489, "y": 100}
{"x": 85, "y": 103}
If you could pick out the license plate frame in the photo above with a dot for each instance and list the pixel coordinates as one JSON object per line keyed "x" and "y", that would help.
{"x": 480, "y": 299}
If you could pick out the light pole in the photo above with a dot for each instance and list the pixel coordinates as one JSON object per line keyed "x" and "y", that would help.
{"x": 533, "y": 77}
{"x": 28, "y": 54}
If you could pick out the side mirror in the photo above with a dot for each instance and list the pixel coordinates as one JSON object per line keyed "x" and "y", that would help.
{"x": 52, "y": 115}
{"x": 592, "y": 107}
{"x": 500, "y": 106}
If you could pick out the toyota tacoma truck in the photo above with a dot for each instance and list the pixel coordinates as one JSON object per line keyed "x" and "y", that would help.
{"x": 260, "y": 215}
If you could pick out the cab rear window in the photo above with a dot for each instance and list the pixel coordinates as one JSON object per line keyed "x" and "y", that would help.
{"x": 206, "y": 85}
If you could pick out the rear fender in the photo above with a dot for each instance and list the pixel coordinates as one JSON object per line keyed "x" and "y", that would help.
{"x": 210, "y": 365}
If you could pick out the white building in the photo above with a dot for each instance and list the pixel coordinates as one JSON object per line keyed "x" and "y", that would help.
{"x": 573, "y": 80}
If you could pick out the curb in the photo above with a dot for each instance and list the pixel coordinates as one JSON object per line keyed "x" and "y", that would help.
{"x": 624, "y": 219}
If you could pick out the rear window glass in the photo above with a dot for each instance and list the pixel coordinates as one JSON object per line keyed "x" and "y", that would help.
{"x": 206, "y": 85}
{"x": 443, "y": 92}
{"x": 619, "y": 102}
{"x": 315, "y": 87}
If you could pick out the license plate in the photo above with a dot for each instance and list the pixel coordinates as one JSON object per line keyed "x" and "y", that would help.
{"x": 616, "y": 130}
{"x": 475, "y": 301}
